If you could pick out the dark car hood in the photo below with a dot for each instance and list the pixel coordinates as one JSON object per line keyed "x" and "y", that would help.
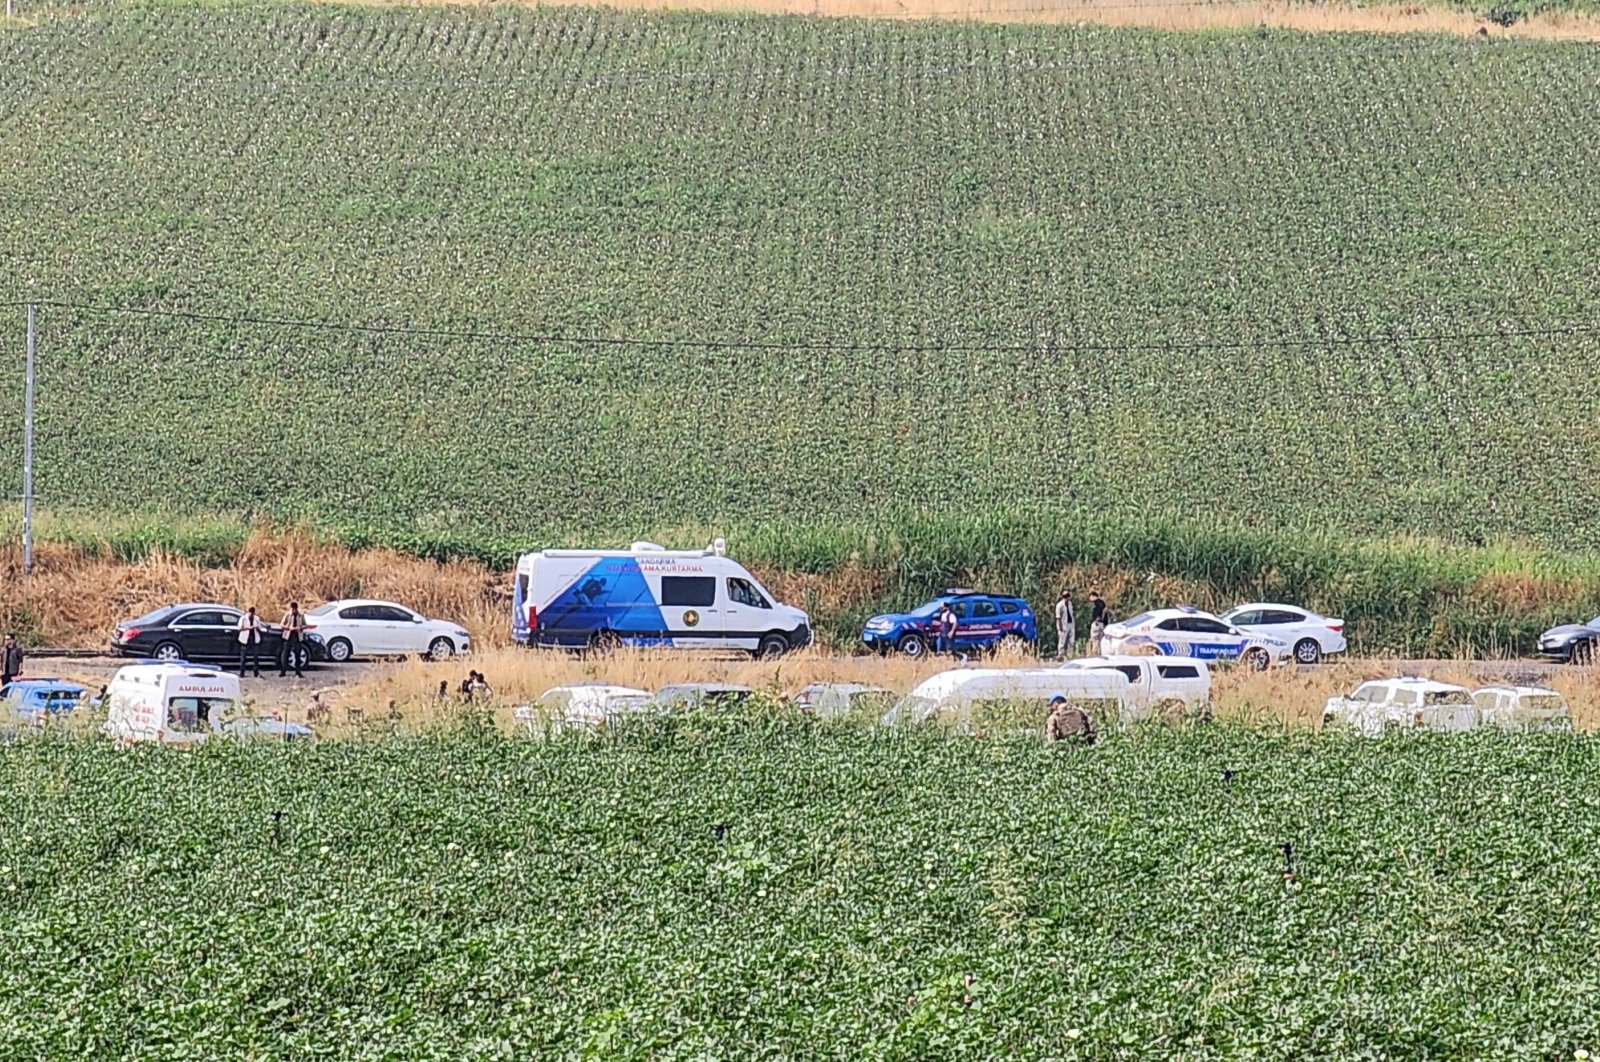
{"x": 1567, "y": 630}
{"x": 896, "y": 619}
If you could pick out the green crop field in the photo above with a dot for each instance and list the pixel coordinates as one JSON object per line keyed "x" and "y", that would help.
{"x": 612, "y": 274}
{"x": 473, "y": 897}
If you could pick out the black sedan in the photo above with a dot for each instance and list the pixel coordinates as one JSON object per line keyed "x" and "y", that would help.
{"x": 201, "y": 632}
{"x": 1575, "y": 643}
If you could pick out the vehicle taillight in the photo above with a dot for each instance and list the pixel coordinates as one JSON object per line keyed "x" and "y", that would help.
{"x": 533, "y": 617}
{"x": 130, "y": 634}
{"x": 1337, "y": 628}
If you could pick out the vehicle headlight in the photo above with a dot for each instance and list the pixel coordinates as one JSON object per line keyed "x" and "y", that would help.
{"x": 878, "y": 625}
{"x": 463, "y": 635}
{"x": 317, "y": 638}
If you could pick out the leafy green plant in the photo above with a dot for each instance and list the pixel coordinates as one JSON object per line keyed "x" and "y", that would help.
{"x": 785, "y": 890}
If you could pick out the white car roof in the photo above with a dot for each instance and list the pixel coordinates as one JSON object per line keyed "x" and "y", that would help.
{"x": 1089, "y": 663}
{"x": 1157, "y": 614}
{"x": 1027, "y": 679}
{"x": 345, "y": 602}
{"x": 601, "y": 689}
{"x": 1529, "y": 691}
{"x": 1274, "y": 604}
{"x": 1414, "y": 683}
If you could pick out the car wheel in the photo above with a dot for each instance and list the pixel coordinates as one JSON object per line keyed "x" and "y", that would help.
{"x": 168, "y": 652}
{"x": 772, "y": 646}
{"x": 1307, "y": 651}
{"x": 340, "y": 650}
{"x": 441, "y": 649}
{"x": 913, "y": 646}
{"x": 1583, "y": 653}
{"x": 1257, "y": 659}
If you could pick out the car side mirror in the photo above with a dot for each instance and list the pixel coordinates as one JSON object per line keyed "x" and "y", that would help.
{"x": 416, "y": 619}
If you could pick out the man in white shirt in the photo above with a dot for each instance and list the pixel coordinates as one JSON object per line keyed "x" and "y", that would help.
{"x": 1066, "y": 626}
{"x": 250, "y": 640}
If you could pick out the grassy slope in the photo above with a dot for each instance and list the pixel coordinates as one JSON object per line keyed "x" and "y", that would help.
{"x": 746, "y": 179}
{"x": 871, "y": 899}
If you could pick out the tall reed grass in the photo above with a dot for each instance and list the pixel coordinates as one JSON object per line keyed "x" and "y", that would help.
{"x": 1403, "y": 596}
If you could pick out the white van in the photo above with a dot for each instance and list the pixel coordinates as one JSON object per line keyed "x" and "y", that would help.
{"x": 989, "y": 699}
{"x": 174, "y": 704}
{"x": 1155, "y": 683}
{"x": 650, "y": 596}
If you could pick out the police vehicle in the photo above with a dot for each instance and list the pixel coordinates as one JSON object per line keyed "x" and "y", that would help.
{"x": 1188, "y": 631}
{"x": 983, "y": 621}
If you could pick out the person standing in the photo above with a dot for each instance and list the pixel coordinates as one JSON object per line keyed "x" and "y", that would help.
{"x": 1066, "y": 626}
{"x": 250, "y": 641}
{"x": 945, "y": 630}
{"x": 11, "y": 664}
{"x": 292, "y": 652}
{"x": 1097, "y": 622}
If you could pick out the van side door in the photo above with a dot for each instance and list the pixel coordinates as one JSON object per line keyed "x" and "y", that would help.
{"x": 692, "y": 606}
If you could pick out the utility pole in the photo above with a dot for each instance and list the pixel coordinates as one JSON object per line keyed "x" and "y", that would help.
{"x": 27, "y": 456}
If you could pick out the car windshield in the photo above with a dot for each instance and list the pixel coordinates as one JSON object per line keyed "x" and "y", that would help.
{"x": 323, "y": 610}
{"x": 1594, "y": 622}
{"x": 61, "y": 700}
{"x": 1544, "y": 702}
{"x": 149, "y": 617}
{"x": 924, "y": 611}
{"x": 1137, "y": 621}
{"x": 1446, "y": 697}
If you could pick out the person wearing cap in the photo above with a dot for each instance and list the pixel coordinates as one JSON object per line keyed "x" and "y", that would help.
{"x": 1066, "y": 626}
{"x": 1067, "y": 723}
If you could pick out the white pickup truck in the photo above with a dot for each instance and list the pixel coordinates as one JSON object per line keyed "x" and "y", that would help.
{"x": 1157, "y": 685}
{"x": 1402, "y": 704}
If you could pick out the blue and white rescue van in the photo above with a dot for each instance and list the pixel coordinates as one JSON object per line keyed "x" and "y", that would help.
{"x": 648, "y": 595}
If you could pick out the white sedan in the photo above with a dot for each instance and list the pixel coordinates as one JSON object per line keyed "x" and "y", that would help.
{"x": 1312, "y": 636}
{"x": 1187, "y": 631}
{"x": 382, "y": 628}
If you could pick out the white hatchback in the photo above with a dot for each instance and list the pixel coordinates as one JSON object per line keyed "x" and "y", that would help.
{"x": 1312, "y": 636}
{"x": 352, "y": 628}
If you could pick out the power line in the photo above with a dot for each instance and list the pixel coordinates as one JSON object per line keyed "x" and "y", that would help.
{"x": 823, "y": 345}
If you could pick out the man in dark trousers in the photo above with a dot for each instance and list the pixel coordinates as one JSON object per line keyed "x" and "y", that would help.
{"x": 250, "y": 641}
{"x": 945, "y": 630}
{"x": 11, "y": 666}
{"x": 1097, "y": 622}
{"x": 294, "y": 640}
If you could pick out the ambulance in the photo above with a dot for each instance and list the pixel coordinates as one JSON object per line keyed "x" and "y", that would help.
{"x": 647, "y": 595}
{"x": 170, "y": 703}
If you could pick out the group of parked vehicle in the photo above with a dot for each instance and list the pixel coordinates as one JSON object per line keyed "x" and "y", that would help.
{"x": 1115, "y": 690}
{"x": 173, "y": 703}
{"x": 335, "y": 632}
